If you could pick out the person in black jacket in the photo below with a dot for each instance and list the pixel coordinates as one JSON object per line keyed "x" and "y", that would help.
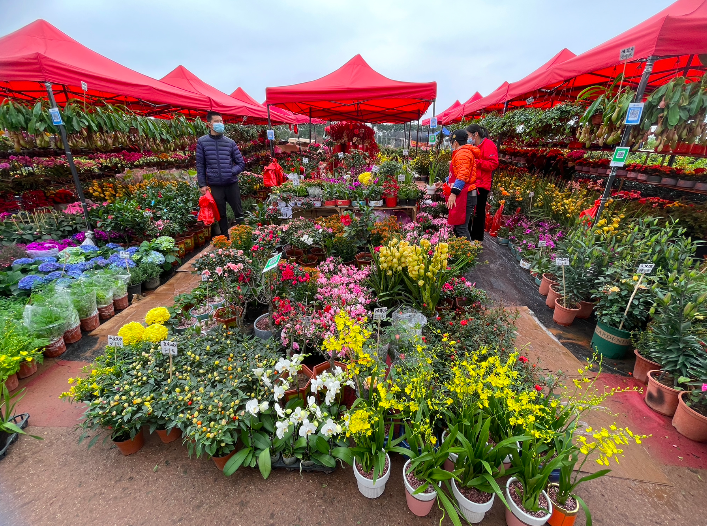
{"x": 218, "y": 163}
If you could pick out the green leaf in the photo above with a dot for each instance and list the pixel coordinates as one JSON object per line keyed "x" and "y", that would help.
{"x": 325, "y": 460}
{"x": 264, "y": 463}
{"x": 321, "y": 444}
{"x": 343, "y": 453}
{"x": 235, "y": 462}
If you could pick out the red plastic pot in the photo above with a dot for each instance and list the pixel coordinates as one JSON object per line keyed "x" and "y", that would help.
{"x": 107, "y": 312}
{"x": 391, "y": 202}
{"x": 56, "y": 348}
{"x": 121, "y": 303}
{"x": 73, "y": 335}
{"x": 91, "y": 323}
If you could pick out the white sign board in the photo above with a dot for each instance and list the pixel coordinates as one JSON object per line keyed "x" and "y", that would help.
{"x": 204, "y": 276}
{"x": 405, "y": 152}
{"x": 124, "y": 254}
{"x": 286, "y": 212}
{"x": 341, "y": 155}
{"x": 168, "y": 348}
{"x": 401, "y": 178}
{"x": 115, "y": 341}
{"x": 562, "y": 262}
{"x": 542, "y": 243}
{"x": 379, "y": 313}
{"x": 84, "y": 86}
{"x": 305, "y": 160}
{"x": 645, "y": 268}
{"x": 627, "y": 53}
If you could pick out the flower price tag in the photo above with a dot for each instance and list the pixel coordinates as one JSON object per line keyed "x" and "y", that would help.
{"x": 56, "y": 116}
{"x": 379, "y": 313}
{"x": 204, "y": 276}
{"x": 401, "y": 178}
{"x": 562, "y": 262}
{"x": 115, "y": 341}
{"x": 405, "y": 152}
{"x": 542, "y": 243}
{"x": 286, "y": 212}
{"x": 305, "y": 160}
{"x": 271, "y": 135}
{"x": 375, "y": 169}
{"x": 124, "y": 254}
{"x": 84, "y": 86}
{"x": 531, "y": 194}
{"x": 168, "y": 348}
{"x": 341, "y": 155}
{"x": 645, "y": 268}
{"x": 272, "y": 262}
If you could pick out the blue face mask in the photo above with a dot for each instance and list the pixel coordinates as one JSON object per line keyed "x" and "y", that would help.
{"x": 219, "y": 127}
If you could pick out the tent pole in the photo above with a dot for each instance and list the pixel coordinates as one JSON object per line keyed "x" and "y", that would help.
{"x": 624, "y": 138}
{"x": 417, "y": 143}
{"x": 505, "y": 107}
{"x": 70, "y": 159}
{"x": 310, "y": 125}
{"x": 272, "y": 146}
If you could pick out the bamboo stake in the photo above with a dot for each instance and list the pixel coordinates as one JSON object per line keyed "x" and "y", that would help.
{"x": 635, "y": 289}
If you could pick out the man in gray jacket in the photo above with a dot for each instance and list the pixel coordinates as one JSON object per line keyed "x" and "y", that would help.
{"x": 218, "y": 163}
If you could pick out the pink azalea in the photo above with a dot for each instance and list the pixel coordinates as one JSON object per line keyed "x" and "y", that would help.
{"x": 219, "y": 270}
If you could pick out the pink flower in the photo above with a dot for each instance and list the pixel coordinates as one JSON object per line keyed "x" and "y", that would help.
{"x": 219, "y": 270}
{"x": 206, "y": 273}
{"x": 704, "y": 387}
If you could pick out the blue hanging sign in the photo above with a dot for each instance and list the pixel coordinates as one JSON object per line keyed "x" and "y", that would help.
{"x": 433, "y": 122}
{"x": 56, "y": 116}
{"x": 633, "y": 115}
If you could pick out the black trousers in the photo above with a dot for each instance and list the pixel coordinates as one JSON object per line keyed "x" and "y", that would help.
{"x": 463, "y": 229}
{"x": 230, "y": 194}
{"x": 478, "y": 219}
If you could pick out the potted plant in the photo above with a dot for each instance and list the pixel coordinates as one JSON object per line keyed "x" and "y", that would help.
{"x": 47, "y": 323}
{"x": 690, "y": 418}
{"x": 83, "y": 298}
{"x": 390, "y": 191}
{"x": 374, "y": 195}
{"x": 644, "y": 356}
{"x": 9, "y": 427}
{"x": 479, "y": 465}
{"x": 137, "y": 277}
{"x": 525, "y": 492}
{"x": 151, "y": 273}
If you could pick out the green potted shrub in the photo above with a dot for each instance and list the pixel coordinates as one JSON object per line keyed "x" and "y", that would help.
{"x": 151, "y": 273}
{"x": 137, "y": 277}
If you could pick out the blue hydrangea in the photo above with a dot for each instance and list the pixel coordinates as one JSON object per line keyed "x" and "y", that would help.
{"x": 121, "y": 265}
{"x": 23, "y": 261}
{"x": 53, "y": 275}
{"x": 49, "y": 267}
{"x": 89, "y": 248}
{"x": 30, "y": 282}
{"x": 113, "y": 246}
{"x": 74, "y": 273}
{"x": 79, "y": 267}
{"x": 132, "y": 250}
{"x": 99, "y": 262}
{"x": 45, "y": 259}
{"x": 154, "y": 257}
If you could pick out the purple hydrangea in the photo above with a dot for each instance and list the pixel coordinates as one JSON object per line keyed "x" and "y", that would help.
{"x": 30, "y": 282}
{"x": 74, "y": 273}
{"x": 132, "y": 250}
{"x": 80, "y": 237}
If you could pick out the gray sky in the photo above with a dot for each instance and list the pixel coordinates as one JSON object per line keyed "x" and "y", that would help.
{"x": 465, "y": 45}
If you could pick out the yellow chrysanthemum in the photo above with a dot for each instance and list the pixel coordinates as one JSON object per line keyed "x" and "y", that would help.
{"x": 155, "y": 333}
{"x": 131, "y": 332}
{"x": 157, "y": 315}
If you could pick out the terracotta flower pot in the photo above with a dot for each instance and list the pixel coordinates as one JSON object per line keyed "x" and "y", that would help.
{"x": 561, "y": 516}
{"x": 27, "y": 369}
{"x": 363, "y": 259}
{"x": 294, "y": 253}
{"x": 130, "y": 446}
{"x": 552, "y": 295}
{"x": 12, "y": 382}
{"x": 642, "y": 366}
{"x": 56, "y": 348}
{"x": 545, "y": 284}
{"x": 107, "y": 312}
{"x": 221, "y": 461}
{"x": 585, "y": 310}
{"x": 300, "y": 392}
{"x": 221, "y": 316}
{"x": 121, "y": 303}
{"x": 169, "y": 436}
{"x": 73, "y": 335}
{"x": 689, "y": 422}
{"x": 91, "y": 323}
{"x": 563, "y": 315}
{"x": 420, "y": 504}
{"x": 307, "y": 260}
{"x": 661, "y": 398}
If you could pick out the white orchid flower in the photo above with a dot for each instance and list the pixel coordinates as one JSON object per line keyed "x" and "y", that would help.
{"x": 279, "y": 410}
{"x": 307, "y": 428}
{"x": 281, "y": 428}
{"x": 316, "y": 384}
{"x": 252, "y": 406}
{"x": 311, "y": 401}
{"x": 330, "y": 397}
{"x": 331, "y": 428}
{"x": 282, "y": 365}
{"x": 264, "y": 406}
{"x": 258, "y": 372}
{"x": 279, "y": 392}
{"x": 298, "y": 415}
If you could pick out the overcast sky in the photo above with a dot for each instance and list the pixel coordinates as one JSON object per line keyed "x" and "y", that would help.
{"x": 465, "y": 46}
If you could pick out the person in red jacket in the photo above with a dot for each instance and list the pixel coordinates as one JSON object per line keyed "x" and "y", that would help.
{"x": 485, "y": 165}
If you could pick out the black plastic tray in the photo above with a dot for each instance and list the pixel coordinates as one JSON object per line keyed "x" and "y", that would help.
{"x": 20, "y": 421}
{"x": 279, "y": 464}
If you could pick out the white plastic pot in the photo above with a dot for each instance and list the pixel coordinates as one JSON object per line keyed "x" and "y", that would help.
{"x": 366, "y": 486}
{"x": 472, "y": 511}
{"x": 519, "y": 514}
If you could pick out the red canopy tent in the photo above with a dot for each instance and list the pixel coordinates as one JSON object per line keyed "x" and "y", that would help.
{"x": 497, "y": 99}
{"x": 39, "y": 53}
{"x": 355, "y": 92}
{"x": 181, "y": 77}
{"x": 445, "y": 117}
{"x": 276, "y": 114}
{"x": 440, "y": 115}
{"x": 676, "y": 37}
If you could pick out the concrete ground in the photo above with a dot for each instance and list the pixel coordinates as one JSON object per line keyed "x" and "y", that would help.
{"x": 58, "y": 482}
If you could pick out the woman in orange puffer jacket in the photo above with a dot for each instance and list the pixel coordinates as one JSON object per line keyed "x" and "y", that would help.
{"x": 460, "y": 189}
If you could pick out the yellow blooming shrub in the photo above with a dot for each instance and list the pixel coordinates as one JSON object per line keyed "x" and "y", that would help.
{"x": 155, "y": 333}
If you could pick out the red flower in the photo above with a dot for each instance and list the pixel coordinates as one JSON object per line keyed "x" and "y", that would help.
{"x": 464, "y": 322}
{"x": 522, "y": 359}
{"x": 346, "y": 220}
{"x": 538, "y": 388}
{"x": 189, "y": 402}
{"x": 438, "y": 318}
